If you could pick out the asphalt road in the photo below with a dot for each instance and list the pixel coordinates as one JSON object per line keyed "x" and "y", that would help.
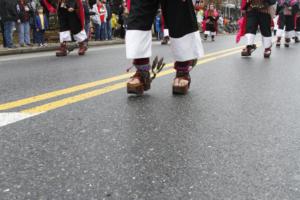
{"x": 69, "y": 131}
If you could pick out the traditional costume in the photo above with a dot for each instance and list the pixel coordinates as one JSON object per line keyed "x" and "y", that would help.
{"x": 71, "y": 21}
{"x": 297, "y": 22}
{"x": 165, "y": 29}
{"x": 210, "y": 22}
{"x": 257, "y": 13}
{"x": 185, "y": 40}
{"x": 286, "y": 22}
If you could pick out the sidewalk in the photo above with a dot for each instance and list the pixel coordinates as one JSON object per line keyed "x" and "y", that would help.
{"x": 53, "y": 47}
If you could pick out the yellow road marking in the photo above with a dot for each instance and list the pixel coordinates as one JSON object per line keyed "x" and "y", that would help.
{"x": 74, "y": 99}
{"x": 49, "y": 95}
{"x": 98, "y": 92}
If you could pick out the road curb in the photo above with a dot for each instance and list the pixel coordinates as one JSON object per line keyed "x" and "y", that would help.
{"x": 53, "y": 47}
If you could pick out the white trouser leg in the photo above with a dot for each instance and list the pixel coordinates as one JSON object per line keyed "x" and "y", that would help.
{"x": 208, "y": 33}
{"x": 250, "y": 38}
{"x": 289, "y": 34}
{"x": 267, "y": 42}
{"x": 279, "y": 33}
{"x": 81, "y": 36}
{"x": 166, "y": 33}
{"x": 138, "y": 44}
{"x": 188, "y": 47}
{"x": 65, "y": 36}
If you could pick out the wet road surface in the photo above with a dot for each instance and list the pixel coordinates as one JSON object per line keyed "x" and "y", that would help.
{"x": 70, "y": 131}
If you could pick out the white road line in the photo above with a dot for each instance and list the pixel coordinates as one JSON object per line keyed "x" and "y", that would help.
{"x": 13, "y": 117}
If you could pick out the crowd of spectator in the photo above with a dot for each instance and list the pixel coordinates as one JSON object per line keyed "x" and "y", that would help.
{"x": 30, "y": 20}
{"x": 25, "y": 16}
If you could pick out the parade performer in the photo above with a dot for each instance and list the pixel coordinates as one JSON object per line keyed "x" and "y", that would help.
{"x": 297, "y": 22}
{"x": 210, "y": 22}
{"x": 257, "y": 13}
{"x": 166, "y": 37}
{"x": 71, "y": 21}
{"x": 185, "y": 40}
{"x": 286, "y": 22}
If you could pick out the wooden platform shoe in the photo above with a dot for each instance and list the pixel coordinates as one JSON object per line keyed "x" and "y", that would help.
{"x": 62, "y": 51}
{"x": 82, "y": 48}
{"x": 182, "y": 80}
{"x": 139, "y": 82}
{"x": 248, "y": 50}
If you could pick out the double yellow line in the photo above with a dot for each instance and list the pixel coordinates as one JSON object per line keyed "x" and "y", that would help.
{"x": 97, "y": 92}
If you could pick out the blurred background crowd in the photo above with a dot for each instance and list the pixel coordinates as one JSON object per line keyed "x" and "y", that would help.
{"x": 32, "y": 22}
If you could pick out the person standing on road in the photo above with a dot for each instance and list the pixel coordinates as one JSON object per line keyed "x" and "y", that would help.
{"x": 96, "y": 20}
{"x": 210, "y": 22}
{"x": 87, "y": 15}
{"x": 8, "y": 17}
{"x": 71, "y": 21}
{"x": 23, "y": 25}
{"x": 257, "y": 14}
{"x": 297, "y": 22}
{"x": 165, "y": 30}
{"x": 33, "y": 6}
{"x": 103, "y": 17}
{"x": 185, "y": 39}
{"x": 286, "y": 12}
{"x": 158, "y": 25}
{"x": 41, "y": 25}
{"x": 108, "y": 20}
{"x": 123, "y": 13}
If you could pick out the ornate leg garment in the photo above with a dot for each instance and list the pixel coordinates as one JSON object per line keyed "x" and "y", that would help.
{"x": 71, "y": 21}
{"x": 280, "y": 31}
{"x": 297, "y": 27}
{"x": 258, "y": 15}
{"x": 182, "y": 81}
{"x": 179, "y": 17}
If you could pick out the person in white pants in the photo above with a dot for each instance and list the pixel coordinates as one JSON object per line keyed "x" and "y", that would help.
{"x": 179, "y": 17}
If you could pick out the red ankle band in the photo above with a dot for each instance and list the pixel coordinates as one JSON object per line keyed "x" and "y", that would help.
{"x": 141, "y": 61}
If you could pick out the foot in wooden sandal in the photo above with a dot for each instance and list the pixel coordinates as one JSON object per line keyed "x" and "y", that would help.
{"x": 287, "y": 42}
{"x": 248, "y": 50}
{"x": 182, "y": 81}
{"x": 267, "y": 52}
{"x": 278, "y": 42}
{"x": 181, "y": 84}
{"x": 139, "y": 83}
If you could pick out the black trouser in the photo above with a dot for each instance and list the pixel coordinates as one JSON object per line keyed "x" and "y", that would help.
{"x": 179, "y": 16}
{"x": 297, "y": 24}
{"x": 257, "y": 19}
{"x": 210, "y": 26}
{"x": 69, "y": 21}
{"x": 286, "y": 21}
